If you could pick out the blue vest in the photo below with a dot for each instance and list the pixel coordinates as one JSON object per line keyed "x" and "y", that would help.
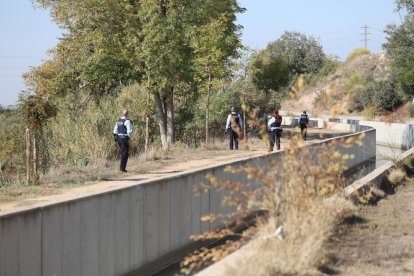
{"x": 234, "y": 120}
{"x": 304, "y": 119}
{"x": 122, "y": 129}
{"x": 277, "y": 122}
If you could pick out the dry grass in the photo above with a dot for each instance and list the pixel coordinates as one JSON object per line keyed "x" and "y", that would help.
{"x": 397, "y": 176}
{"x": 301, "y": 252}
{"x": 64, "y": 177}
{"x": 294, "y": 195}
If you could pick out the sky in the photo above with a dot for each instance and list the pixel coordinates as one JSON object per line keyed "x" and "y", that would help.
{"x": 27, "y": 34}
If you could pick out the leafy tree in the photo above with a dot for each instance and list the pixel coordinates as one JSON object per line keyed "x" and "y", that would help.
{"x": 269, "y": 73}
{"x": 400, "y": 47}
{"x": 303, "y": 54}
{"x": 214, "y": 41}
{"x": 170, "y": 55}
{"x": 110, "y": 43}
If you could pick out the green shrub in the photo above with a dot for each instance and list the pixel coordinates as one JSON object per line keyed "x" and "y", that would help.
{"x": 356, "y": 53}
{"x": 355, "y": 103}
{"x": 382, "y": 95}
{"x": 387, "y": 97}
{"x": 329, "y": 67}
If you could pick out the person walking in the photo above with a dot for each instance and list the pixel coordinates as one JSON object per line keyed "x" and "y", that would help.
{"x": 122, "y": 134}
{"x": 303, "y": 122}
{"x": 275, "y": 130}
{"x": 234, "y": 126}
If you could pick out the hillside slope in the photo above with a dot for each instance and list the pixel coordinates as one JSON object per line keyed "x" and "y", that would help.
{"x": 333, "y": 94}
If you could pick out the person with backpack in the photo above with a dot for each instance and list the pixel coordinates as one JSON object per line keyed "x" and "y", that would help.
{"x": 303, "y": 123}
{"x": 234, "y": 126}
{"x": 122, "y": 134}
{"x": 275, "y": 130}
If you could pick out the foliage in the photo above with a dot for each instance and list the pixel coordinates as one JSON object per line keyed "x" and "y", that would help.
{"x": 303, "y": 54}
{"x": 400, "y": 48}
{"x": 70, "y": 135}
{"x": 357, "y": 53}
{"x": 354, "y": 88}
{"x": 36, "y": 110}
{"x": 369, "y": 113}
{"x": 12, "y": 144}
{"x": 329, "y": 67}
{"x": 381, "y": 95}
{"x": 268, "y": 73}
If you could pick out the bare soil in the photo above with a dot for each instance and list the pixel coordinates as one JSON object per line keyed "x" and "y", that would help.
{"x": 379, "y": 240}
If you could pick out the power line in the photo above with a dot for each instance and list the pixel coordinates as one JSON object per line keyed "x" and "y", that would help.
{"x": 21, "y": 57}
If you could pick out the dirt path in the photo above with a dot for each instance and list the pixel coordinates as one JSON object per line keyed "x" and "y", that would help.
{"x": 380, "y": 239}
{"x": 138, "y": 171}
{"x": 167, "y": 167}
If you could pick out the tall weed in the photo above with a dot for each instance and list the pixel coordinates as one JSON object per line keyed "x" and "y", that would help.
{"x": 292, "y": 194}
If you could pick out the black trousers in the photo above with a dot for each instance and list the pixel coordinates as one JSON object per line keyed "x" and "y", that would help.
{"x": 234, "y": 138}
{"x": 303, "y": 130}
{"x": 123, "y": 143}
{"x": 274, "y": 136}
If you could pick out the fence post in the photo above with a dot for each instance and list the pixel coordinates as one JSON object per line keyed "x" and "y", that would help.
{"x": 27, "y": 155}
{"x": 34, "y": 158}
{"x": 146, "y": 134}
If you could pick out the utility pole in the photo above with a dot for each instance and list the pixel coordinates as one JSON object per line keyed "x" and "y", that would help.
{"x": 366, "y": 33}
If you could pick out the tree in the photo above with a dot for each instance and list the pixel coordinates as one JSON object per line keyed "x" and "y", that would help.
{"x": 400, "y": 48}
{"x": 214, "y": 40}
{"x": 303, "y": 54}
{"x": 110, "y": 43}
{"x": 269, "y": 73}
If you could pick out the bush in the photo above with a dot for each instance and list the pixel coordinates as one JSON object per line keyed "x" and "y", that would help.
{"x": 354, "y": 87}
{"x": 397, "y": 177}
{"x": 356, "y": 53}
{"x": 329, "y": 67}
{"x": 369, "y": 112}
{"x": 387, "y": 98}
{"x": 355, "y": 103}
{"x": 382, "y": 95}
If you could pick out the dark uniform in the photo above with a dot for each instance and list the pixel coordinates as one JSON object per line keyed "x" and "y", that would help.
{"x": 303, "y": 122}
{"x": 234, "y": 125}
{"x": 275, "y": 130}
{"x": 122, "y": 132}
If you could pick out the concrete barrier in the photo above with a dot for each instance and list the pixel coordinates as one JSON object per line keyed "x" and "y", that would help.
{"x": 388, "y": 134}
{"x": 124, "y": 230}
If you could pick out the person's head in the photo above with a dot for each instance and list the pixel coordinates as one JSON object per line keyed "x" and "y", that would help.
{"x": 125, "y": 113}
{"x": 304, "y": 111}
{"x": 276, "y": 112}
{"x": 232, "y": 109}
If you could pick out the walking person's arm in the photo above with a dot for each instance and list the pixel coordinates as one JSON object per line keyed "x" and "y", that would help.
{"x": 228, "y": 122}
{"x": 128, "y": 127}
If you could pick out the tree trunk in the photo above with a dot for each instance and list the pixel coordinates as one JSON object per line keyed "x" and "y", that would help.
{"x": 160, "y": 104}
{"x": 208, "y": 106}
{"x": 35, "y": 176}
{"x": 244, "y": 126}
{"x": 170, "y": 118}
{"x": 165, "y": 110}
{"x": 146, "y": 134}
{"x": 27, "y": 155}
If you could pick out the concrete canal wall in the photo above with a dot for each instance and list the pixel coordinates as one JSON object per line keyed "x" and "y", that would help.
{"x": 124, "y": 230}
